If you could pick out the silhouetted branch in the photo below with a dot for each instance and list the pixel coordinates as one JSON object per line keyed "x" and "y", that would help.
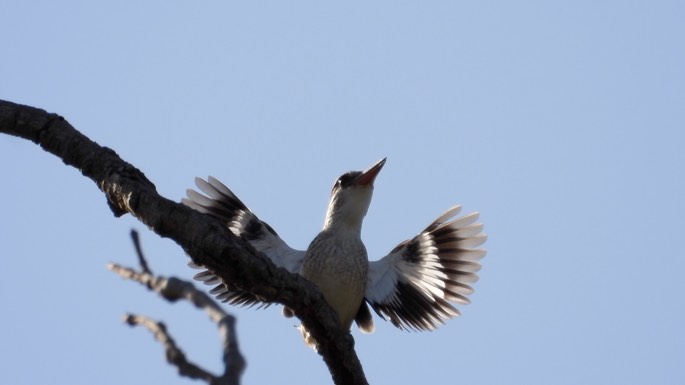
{"x": 204, "y": 239}
{"x": 172, "y": 289}
{"x": 174, "y": 355}
{"x": 139, "y": 252}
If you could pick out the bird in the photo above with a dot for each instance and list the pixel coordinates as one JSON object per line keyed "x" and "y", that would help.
{"x": 413, "y": 286}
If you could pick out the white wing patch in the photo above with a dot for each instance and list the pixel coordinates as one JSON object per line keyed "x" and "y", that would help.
{"x": 220, "y": 203}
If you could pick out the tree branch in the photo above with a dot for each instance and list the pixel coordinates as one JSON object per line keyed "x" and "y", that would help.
{"x": 174, "y": 355}
{"x": 139, "y": 252}
{"x": 173, "y": 289}
{"x": 206, "y": 240}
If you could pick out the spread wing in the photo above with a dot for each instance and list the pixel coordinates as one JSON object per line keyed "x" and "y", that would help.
{"x": 220, "y": 202}
{"x": 414, "y": 284}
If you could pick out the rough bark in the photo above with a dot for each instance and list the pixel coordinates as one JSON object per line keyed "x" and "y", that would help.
{"x": 205, "y": 240}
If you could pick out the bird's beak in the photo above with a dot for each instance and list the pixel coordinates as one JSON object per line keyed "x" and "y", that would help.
{"x": 367, "y": 177}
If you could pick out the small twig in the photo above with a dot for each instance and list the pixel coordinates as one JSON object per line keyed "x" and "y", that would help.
{"x": 172, "y": 289}
{"x": 139, "y": 251}
{"x": 174, "y": 355}
{"x": 234, "y": 362}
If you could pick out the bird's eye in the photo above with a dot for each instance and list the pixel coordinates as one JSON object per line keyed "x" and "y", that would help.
{"x": 347, "y": 179}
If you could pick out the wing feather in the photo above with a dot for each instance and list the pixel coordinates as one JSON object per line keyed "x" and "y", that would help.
{"x": 221, "y": 203}
{"x": 414, "y": 284}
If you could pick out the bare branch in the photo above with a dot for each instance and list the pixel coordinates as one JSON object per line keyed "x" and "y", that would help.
{"x": 174, "y": 355}
{"x": 203, "y": 238}
{"x": 139, "y": 251}
{"x": 173, "y": 289}
{"x": 234, "y": 362}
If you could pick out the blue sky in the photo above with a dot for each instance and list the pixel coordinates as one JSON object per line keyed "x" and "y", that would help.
{"x": 562, "y": 123}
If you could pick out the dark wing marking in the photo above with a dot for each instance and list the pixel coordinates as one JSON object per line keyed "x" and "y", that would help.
{"x": 414, "y": 284}
{"x": 219, "y": 202}
{"x": 363, "y": 319}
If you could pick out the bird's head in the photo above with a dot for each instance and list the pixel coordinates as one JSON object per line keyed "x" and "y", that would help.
{"x": 351, "y": 197}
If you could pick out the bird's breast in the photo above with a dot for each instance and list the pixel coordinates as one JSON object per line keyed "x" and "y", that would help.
{"x": 339, "y": 267}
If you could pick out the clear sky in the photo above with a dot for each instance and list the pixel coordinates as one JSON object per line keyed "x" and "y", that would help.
{"x": 563, "y": 123}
